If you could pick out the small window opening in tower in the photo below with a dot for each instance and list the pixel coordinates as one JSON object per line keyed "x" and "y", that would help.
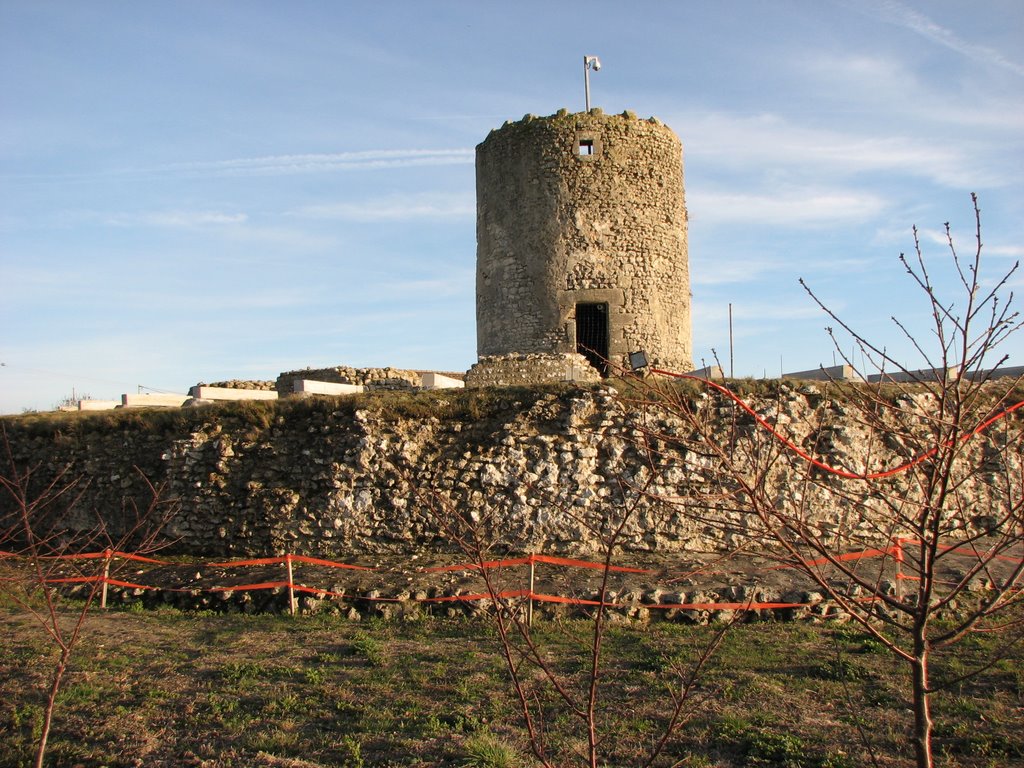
{"x": 592, "y": 334}
{"x": 586, "y": 147}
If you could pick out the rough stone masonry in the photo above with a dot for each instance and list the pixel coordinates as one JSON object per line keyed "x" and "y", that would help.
{"x": 581, "y": 248}
{"x": 541, "y": 468}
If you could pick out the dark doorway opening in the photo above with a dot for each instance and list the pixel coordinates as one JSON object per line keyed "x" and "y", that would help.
{"x": 592, "y": 334}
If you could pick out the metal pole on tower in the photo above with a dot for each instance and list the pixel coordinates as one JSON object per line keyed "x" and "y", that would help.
{"x": 589, "y": 62}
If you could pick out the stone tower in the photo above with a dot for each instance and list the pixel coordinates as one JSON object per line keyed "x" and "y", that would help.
{"x": 581, "y": 248}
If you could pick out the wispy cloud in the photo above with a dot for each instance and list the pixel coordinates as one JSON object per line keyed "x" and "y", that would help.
{"x": 26, "y": 279}
{"x": 714, "y": 271}
{"x": 899, "y": 14}
{"x": 273, "y": 165}
{"x": 279, "y": 243}
{"x": 963, "y": 240}
{"x": 793, "y": 208}
{"x": 460, "y": 283}
{"x": 769, "y": 141}
{"x": 878, "y": 84}
{"x": 394, "y": 208}
{"x": 206, "y": 305}
{"x": 755, "y": 311}
{"x": 176, "y": 219}
{"x": 1007, "y": 251}
{"x": 711, "y": 270}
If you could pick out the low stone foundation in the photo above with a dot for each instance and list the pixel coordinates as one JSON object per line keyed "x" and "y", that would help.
{"x": 526, "y": 369}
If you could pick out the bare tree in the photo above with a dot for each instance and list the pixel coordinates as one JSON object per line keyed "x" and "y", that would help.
{"x": 43, "y": 557}
{"x": 923, "y": 464}
{"x": 545, "y": 684}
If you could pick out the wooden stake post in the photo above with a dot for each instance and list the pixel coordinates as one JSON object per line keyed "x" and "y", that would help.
{"x": 529, "y": 599}
{"x": 107, "y": 555}
{"x": 899, "y": 568}
{"x": 292, "y": 607}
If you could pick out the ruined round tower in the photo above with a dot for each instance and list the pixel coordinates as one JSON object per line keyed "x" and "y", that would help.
{"x": 581, "y": 248}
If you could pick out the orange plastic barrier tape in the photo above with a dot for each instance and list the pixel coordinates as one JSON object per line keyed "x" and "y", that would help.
{"x": 727, "y": 606}
{"x": 294, "y": 559}
{"x": 586, "y": 564}
{"x": 668, "y": 606}
{"x": 905, "y": 577}
{"x": 256, "y": 561}
{"x": 476, "y": 566}
{"x": 572, "y": 601}
{"x": 129, "y": 585}
{"x": 329, "y": 563}
{"x": 549, "y": 559}
{"x": 481, "y": 596}
{"x": 248, "y": 587}
{"x": 847, "y": 556}
{"x": 320, "y": 592}
{"x": 140, "y": 558}
{"x": 895, "y": 549}
{"x": 962, "y": 551}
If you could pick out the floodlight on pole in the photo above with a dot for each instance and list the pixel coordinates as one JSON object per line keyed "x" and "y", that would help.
{"x": 638, "y": 360}
{"x": 589, "y": 62}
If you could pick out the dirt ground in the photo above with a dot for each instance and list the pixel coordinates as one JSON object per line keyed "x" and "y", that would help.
{"x": 648, "y": 584}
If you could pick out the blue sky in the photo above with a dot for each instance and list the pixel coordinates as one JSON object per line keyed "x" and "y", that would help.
{"x": 197, "y": 191}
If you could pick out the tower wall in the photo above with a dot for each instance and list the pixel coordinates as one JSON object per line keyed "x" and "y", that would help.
{"x": 582, "y": 209}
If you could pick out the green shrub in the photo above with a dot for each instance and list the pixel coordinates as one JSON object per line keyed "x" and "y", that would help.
{"x": 370, "y": 648}
{"x": 485, "y": 750}
{"x": 839, "y": 669}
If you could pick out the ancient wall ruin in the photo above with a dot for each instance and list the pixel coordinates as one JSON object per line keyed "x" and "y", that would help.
{"x": 541, "y": 468}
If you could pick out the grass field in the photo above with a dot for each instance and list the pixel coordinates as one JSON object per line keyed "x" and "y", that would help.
{"x": 172, "y": 688}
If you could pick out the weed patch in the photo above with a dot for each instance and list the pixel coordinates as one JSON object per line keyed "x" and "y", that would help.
{"x": 485, "y": 750}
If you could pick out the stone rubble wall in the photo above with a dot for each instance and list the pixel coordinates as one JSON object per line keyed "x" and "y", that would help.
{"x": 371, "y": 378}
{"x": 539, "y": 469}
{"x": 261, "y": 386}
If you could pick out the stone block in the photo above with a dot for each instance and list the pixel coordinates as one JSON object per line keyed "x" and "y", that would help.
{"x": 98, "y": 405}
{"x": 205, "y": 392}
{"x": 153, "y": 400}
{"x": 440, "y": 381}
{"x": 310, "y": 387}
